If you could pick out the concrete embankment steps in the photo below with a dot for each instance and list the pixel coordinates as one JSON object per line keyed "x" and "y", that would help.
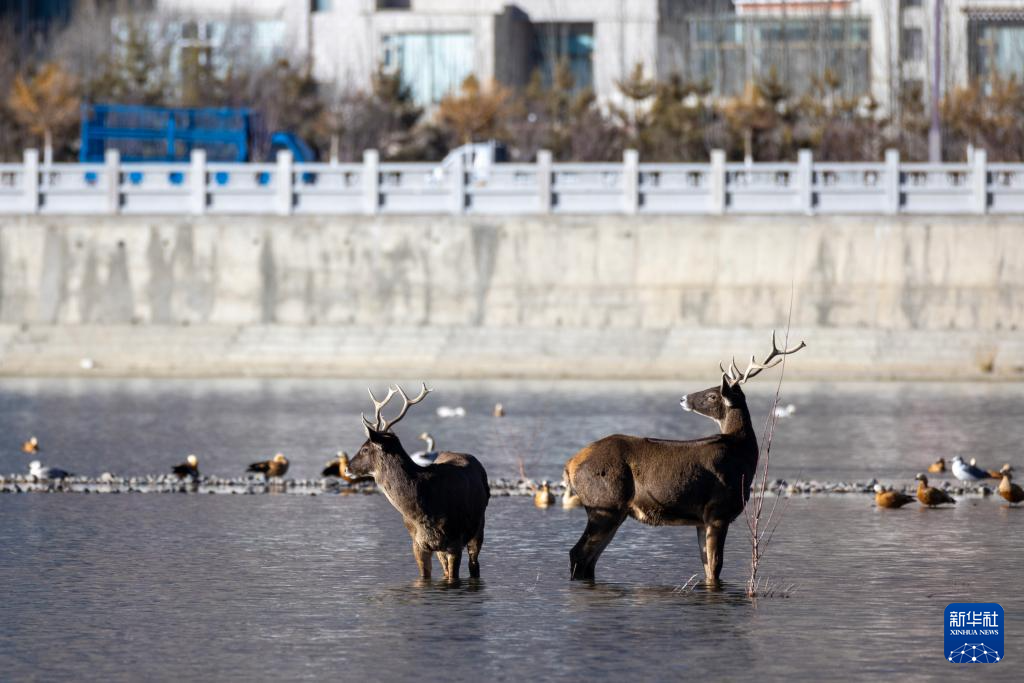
{"x": 431, "y": 352}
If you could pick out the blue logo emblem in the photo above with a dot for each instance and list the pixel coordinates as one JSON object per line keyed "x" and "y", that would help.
{"x": 974, "y": 633}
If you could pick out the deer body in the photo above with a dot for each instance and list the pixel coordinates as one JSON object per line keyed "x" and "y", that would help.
{"x": 703, "y": 483}
{"x": 443, "y": 506}
{"x": 664, "y": 483}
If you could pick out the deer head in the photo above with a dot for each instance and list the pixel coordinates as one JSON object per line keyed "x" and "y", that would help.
{"x": 726, "y": 402}
{"x": 381, "y": 443}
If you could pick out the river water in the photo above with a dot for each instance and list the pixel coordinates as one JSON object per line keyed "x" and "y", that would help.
{"x": 163, "y": 587}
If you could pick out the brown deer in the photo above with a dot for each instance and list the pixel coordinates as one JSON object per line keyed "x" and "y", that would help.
{"x": 443, "y": 505}
{"x": 703, "y": 482}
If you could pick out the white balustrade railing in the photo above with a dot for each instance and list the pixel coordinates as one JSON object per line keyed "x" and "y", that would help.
{"x": 371, "y": 187}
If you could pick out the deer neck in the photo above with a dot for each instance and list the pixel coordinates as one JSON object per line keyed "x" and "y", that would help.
{"x": 395, "y": 475}
{"x": 737, "y": 422}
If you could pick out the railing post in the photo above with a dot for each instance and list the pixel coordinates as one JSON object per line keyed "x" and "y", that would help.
{"x": 717, "y": 182}
{"x": 892, "y": 181}
{"x": 371, "y": 181}
{"x": 112, "y": 170}
{"x": 544, "y": 180}
{"x": 630, "y": 181}
{"x": 457, "y": 189}
{"x": 283, "y": 186}
{"x": 197, "y": 182}
{"x": 805, "y": 181}
{"x": 30, "y": 181}
{"x": 979, "y": 177}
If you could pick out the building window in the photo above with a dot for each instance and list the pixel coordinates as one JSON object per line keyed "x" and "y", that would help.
{"x": 321, "y": 5}
{"x": 912, "y": 45}
{"x": 394, "y": 4}
{"x": 997, "y": 46}
{"x": 725, "y": 52}
{"x": 907, "y": 4}
{"x": 430, "y": 64}
{"x": 572, "y": 43}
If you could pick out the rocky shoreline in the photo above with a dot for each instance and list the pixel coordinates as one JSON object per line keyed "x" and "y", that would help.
{"x": 108, "y": 483}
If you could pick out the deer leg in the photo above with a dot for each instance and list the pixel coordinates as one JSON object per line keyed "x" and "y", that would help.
{"x": 702, "y": 543}
{"x": 473, "y": 547}
{"x": 601, "y": 528}
{"x": 442, "y": 557}
{"x": 716, "y": 551}
{"x": 454, "y": 562}
{"x": 423, "y": 558}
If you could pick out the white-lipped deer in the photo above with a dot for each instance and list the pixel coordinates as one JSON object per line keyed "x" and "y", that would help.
{"x": 702, "y": 482}
{"x": 443, "y": 505}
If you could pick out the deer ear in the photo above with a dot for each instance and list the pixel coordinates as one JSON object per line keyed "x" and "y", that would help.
{"x": 726, "y": 390}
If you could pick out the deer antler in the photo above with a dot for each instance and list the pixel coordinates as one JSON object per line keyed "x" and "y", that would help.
{"x": 734, "y": 376}
{"x": 731, "y": 374}
{"x": 378, "y": 425}
{"x": 405, "y": 405}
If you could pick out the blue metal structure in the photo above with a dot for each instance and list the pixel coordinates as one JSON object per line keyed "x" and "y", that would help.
{"x": 143, "y": 133}
{"x": 300, "y": 149}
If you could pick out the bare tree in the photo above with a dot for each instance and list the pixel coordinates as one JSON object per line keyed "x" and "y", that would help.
{"x": 762, "y": 526}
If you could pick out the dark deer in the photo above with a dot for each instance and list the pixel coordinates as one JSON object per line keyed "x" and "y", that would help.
{"x": 443, "y": 505}
{"x": 703, "y": 482}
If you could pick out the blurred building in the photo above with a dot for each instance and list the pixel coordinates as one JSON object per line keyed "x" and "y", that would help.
{"x": 876, "y": 47}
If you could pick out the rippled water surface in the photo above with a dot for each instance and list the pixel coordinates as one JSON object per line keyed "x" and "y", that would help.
{"x": 163, "y": 586}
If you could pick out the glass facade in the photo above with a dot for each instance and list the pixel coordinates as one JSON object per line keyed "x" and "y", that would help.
{"x": 727, "y": 51}
{"x": 912, "y": 44}
{"x": 430, "y": 64}
{"x": 572, "y": 42}
{"x": 997, "y": 47}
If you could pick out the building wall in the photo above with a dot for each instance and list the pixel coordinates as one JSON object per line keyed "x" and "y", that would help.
{"x": 878, "y": 296}
{"x": 347, "y": 38}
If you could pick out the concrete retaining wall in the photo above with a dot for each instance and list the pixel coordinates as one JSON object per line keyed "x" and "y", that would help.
{"x": 931, "y": 297}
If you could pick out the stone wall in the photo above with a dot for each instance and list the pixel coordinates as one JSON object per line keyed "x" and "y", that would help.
{"x": 935, "y": 297}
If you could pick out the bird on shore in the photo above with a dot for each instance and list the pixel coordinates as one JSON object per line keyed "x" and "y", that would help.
{"x": 37, "y": 471}
{"x": 449, "y": 411}
{"x": 31, "y": 446}
{"x": 784, "y": 411}
{"x": 189, "y": 468}
{"x": 425, "y": 458}
{"x": 543, "y": 497}
{"x": 499, "y": 410}
{"x": 965, "y": 472}
{"x": 998, "y": 474}
{"x": 275, "y": 467}
{"x": 338, "y": 468}
{"x": 992, "y": 474}
{"x": 929, "y": 495}
{"x": 937, "y": 466}
{"x": 1010, "y": 492}
{"x": 891, "y": 499}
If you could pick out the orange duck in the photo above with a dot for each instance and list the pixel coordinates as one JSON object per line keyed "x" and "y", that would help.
{"x": 929, "y": 495}
{"x": 1010, "y": 492}
{"x": 891, "y": 499}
